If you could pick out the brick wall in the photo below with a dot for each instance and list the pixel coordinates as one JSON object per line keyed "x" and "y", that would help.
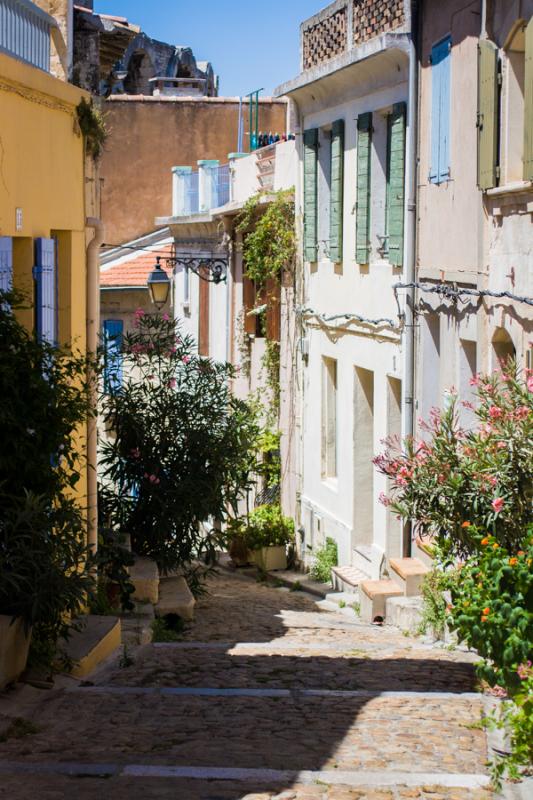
{"x": 372, "y": 17}
{"x": 326, "y": 39}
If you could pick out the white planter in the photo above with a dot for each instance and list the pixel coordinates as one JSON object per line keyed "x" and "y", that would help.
{"x": 269, "y": 558}
{"x": 14, "y": 647}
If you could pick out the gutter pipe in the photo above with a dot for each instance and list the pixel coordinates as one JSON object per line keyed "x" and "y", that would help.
{"x": 408, "y": 410}
{"x": 93, "y": 325}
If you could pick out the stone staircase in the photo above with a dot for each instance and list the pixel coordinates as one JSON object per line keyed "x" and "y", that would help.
{"x": 394, "y": 599}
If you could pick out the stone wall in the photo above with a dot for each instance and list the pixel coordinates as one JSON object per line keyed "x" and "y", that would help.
{"x": 148, "y": 136}
{"x": 61, "y": 41}
{"x": 372, "y": 17}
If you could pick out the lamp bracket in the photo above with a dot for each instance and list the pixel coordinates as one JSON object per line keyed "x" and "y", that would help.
{"x": 208, "y": 268}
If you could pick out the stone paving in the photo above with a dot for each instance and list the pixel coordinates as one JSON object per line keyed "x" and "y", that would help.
{"x": 252, "y": 636}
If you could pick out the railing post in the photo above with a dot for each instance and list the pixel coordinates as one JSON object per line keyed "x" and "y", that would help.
{"x": 207, "y": 183}
{"x": 180, "y": 195}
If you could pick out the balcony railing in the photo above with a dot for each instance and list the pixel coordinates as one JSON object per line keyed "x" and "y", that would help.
{"x": 198, "y": 191}
{"x": 25, "y": 32}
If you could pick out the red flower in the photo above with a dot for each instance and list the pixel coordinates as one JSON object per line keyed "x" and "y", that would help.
{"x": 497, "y": 504}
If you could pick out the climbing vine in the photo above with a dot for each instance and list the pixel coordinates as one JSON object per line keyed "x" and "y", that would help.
{"x": 269, "y": 244}
{"x": 92, "y": 126}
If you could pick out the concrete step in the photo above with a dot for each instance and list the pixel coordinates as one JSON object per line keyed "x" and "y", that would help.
{"x": 422, "y": 550}
{"x": 362, "y": 558}
{"x": 373, "y": 597}
{"x": 97, "y": 639}
{"x": 347, "y": 578}
{"x": 144, "y": 575}
{"x": 408, "y": 574}
{"x": 175, "y": 597}
{"x": 405, "y": 613}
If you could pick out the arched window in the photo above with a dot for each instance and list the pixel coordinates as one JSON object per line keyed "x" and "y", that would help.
{"x": 140, "y": 70}
{"x": 503, "y": 348}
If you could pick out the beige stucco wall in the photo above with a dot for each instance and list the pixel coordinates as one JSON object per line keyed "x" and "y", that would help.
{"x": 148, "y": 136}
{"x": 450, "y": 222}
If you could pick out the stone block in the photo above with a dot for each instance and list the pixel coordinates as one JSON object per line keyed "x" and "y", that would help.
{"x": 144, "y": 575}
{"x": 373, "y": 596}
{"x": 404, "y": 612}
{"x": 98, "y": 637}
{"x": 14, "y": 646}
{"x": 408, "y": 574}
{"x": 269, "y": 558}
{"x": 175, "y": 597}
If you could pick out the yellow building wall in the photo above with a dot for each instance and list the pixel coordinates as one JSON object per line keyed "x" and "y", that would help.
{"x": 42, "y": 173}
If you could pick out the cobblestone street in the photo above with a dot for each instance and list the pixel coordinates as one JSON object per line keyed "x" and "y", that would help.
{"x": 267, "y": 695}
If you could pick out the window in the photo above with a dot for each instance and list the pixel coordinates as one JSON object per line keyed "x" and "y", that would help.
{"x": 44, "y": 273}
{"x": 329, "y": 418}
{"x": 440, "y": 111}
{"x": 429, "y": 374}
{"x": 467, "y": 393}
{"x": 113, "y": 331}
{"x": 6, "y": 263}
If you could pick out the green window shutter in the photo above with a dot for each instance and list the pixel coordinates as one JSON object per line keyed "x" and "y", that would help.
{"x": 310, "y": 193}
{"x": 487, "y": 115}
{"x": 528, "y": 105}
{"x": 337, "y": 187}
{"x": 396, "y": 183}
{"x": 362, "y": 221}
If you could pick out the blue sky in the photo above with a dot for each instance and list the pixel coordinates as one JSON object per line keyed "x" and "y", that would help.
{"x": 251, "y": 44}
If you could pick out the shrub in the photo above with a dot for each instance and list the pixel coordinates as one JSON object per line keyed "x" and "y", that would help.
{"x": 483, "y": 477}
{"x": 326, "y": 557}
{"x": 265, "y": 526}
{"x": 183, "y": 449}
{"x": 434, "y": 603}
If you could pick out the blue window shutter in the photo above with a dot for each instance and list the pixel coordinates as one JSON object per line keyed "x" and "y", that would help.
{"x": 44, "y": 273}
{"x": 440, "y": 111}
{"x": 6, "y": 263}
{"x": 113, "y": 331}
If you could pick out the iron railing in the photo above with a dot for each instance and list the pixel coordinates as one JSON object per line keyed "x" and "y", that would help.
{"x": 25, "y": 32}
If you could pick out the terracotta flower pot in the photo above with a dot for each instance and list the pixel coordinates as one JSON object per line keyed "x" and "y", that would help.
{"x": 14, "y": 647}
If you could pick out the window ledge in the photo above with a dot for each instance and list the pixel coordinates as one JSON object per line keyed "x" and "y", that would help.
{"x": 510, "y": 188}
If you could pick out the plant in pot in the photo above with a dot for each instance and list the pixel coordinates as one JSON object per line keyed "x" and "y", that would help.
{"x": 115, "y": 587}
{"x": 263, "y": 536}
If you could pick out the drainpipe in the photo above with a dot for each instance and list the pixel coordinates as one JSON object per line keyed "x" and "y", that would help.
{"x": 93, "y": 325}
{"x": 408, "y": 410}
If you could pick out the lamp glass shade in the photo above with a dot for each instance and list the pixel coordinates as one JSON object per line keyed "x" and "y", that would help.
{"x": 158, "y": 286}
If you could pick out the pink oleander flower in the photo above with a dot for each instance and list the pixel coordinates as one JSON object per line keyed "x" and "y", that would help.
{"x": 135, "y": 453}
{"x": 186, "y": 359}
{"x": 166, "y": 317}
{"x": 498, "y": 691}
{"x": 495, "y": 412}
{"x": 172, "y": 383}
{"x": 530, "y": 383}
{"x": 497, "y": 504}
{"x": 522, "y": 412}
{"x": 384, "y": 499}
{"x": 524, "y": 670}
{"x": 474, "y": 381}
{"x": 150, "y": 377}
{"x": 152, "y": 478}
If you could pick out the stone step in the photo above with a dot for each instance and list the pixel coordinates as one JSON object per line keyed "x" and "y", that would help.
{"x": 98, "y": 637}
{"x": 422, "y": 550}
{"x": 373, "y": 597}
{"x": 408, "y": 574}
{"x": 175, "y": 597}
{"x": 347, "y": 578}
{"x": 144, "y": 575}
{"x": 406, "y": 613}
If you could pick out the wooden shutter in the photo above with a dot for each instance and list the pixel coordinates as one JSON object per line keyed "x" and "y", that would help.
{"x": 248, "y": 302}
{"x": 273, "y": 312}
{"x": 362, "y": 233}
{"x": 487, "y": 114}
{"x": 528, "y": 104}
{"x": 440, "y": 111}
{"x": 6, "y": 263}
{"x": 44, "y": 273}
{"x": 396, "y": 188}
{"x": 310, "y": 194}
{"x": 337, "y": 188}
{"x": 203, "y": 318}
{"x": 113, "y": 368}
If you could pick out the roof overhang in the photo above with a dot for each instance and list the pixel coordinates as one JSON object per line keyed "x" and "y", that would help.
{"x": 360, "y": 70}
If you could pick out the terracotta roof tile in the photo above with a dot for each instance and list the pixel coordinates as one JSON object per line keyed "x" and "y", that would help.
{"x": 134, "y": 271}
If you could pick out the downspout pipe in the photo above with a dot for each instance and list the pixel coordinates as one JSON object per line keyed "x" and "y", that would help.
{"x": 93, "y": 326}
{"x": 408, "y": 410}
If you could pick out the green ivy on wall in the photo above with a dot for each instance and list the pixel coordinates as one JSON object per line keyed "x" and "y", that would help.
{"x": 269, "y": 242}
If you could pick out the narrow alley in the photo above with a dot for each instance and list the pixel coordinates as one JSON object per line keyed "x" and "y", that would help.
{"x": 268, "y": 694}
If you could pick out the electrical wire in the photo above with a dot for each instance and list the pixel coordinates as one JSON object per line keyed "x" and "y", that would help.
{"x": 348, "y": 316}
{"x": 453, "y": 293}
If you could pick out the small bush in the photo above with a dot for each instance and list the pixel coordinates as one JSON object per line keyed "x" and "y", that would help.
{"x": 434, "y": 603}
{"x": 266, "y": 526}
{"x": 326, "y": 558}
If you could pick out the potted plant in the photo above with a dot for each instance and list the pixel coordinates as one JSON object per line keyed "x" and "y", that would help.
{"x": 263, "y": 536}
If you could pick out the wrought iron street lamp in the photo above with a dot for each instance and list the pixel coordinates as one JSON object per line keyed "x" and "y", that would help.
{"x": 212, "y": 269}
{"x": 158, "y": 285}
